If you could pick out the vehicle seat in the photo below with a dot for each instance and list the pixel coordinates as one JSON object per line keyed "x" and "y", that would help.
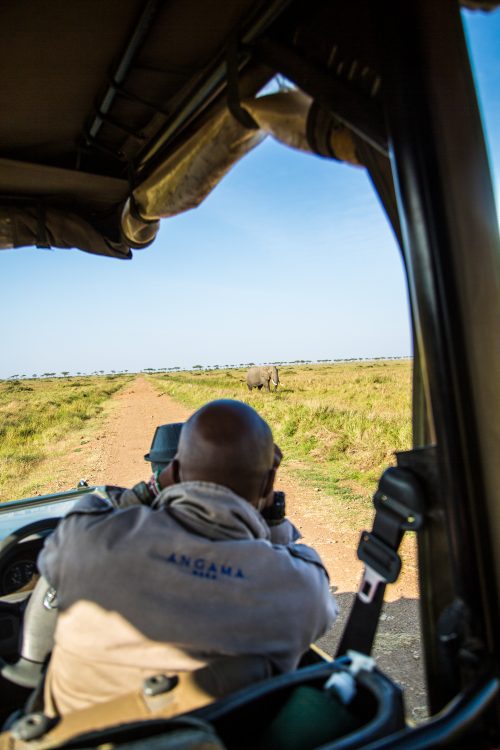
{"x": 161, "y": 697}
{"x": 287, "y": 712}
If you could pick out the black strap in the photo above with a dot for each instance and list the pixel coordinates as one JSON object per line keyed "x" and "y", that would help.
{"x": 359, "y": 632}
{"x": 399, "y": 506}
{"x": 233, "y": 93}
{"x": 320, "y": 125}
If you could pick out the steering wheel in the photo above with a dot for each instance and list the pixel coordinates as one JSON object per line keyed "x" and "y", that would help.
{"x": 39, "y": 623}
{"x": 8, "y": 546}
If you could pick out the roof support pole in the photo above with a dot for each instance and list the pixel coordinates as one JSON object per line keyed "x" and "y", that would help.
{"x": 141, "y": 30}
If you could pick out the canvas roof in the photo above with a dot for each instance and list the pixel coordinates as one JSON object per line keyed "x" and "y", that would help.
{"x": 98, "y": 93}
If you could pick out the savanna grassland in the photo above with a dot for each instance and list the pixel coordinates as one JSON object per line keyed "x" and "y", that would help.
{"x": 338, "y": 424}
{"x": 38, "y": 418}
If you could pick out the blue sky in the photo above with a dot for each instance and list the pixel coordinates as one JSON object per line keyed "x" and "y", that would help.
{"x": 291, "y": 257}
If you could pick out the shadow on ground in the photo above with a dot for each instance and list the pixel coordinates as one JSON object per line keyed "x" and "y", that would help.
{"x": 397, "y": 650}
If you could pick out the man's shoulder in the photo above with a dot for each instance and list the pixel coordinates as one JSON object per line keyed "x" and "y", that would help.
{"x": 108, "y": 497}
{"x": 100, "y": 500}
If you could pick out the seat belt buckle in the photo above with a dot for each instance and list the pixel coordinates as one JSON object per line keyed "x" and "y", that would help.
{"x": 369, "y": 585}
{"x": 382, "y": 565}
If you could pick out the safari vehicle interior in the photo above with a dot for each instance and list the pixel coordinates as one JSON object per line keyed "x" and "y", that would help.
{"x": 153, "y": 104}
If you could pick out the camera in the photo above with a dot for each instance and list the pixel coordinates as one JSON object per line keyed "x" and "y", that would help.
{"x": 275, "y": 513}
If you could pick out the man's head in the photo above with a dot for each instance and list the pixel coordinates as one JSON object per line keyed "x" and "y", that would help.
{"x": 228, "y": 443}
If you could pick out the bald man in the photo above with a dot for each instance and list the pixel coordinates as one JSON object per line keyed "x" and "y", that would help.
{"x": 197, "y": 574}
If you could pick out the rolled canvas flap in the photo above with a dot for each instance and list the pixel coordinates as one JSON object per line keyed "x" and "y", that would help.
{"x": 286, "y": 116}
{"x": 28, "y": 225}
{"x": 185, "y": 179}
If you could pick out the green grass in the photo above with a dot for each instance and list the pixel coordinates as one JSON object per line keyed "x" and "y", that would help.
{"x": 36, "y": 414}
{"x": 338, "y": 424}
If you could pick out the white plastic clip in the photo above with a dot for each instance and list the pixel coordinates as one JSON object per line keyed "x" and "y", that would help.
{"x": 369, "y": 585}
{"x": 359, "y": 661}
{"x": 343, "y": 682}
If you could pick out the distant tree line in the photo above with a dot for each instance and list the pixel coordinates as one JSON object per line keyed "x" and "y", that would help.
{"x": 66, "y": 373}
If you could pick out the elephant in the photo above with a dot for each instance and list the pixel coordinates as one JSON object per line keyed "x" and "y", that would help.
{"x": 259, "y": 376}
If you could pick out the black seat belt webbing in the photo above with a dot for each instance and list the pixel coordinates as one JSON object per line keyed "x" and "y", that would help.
{"x": 399, "y": 505}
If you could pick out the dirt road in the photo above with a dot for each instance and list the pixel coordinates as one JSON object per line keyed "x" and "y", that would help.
{"x": 116, "y": 457}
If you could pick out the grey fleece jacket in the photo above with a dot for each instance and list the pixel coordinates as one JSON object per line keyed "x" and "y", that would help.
{"x": 197, "y": 570}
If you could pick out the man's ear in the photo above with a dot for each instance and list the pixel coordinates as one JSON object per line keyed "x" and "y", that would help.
{"x": 166, "y": 478}
{"x": 269, "y": 482}
{"x": 176, "y": 471}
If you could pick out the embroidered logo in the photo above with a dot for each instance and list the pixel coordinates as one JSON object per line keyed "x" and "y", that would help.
{"x": 203, "y": 568}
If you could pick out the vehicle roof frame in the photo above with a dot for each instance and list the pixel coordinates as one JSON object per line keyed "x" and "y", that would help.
{"x": 451, "y": 252}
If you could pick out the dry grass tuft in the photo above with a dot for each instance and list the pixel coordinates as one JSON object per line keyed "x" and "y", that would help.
{"x": 38, "y": 416}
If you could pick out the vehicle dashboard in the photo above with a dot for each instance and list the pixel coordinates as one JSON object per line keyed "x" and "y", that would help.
{"x": 24, "y": 525}
{"x": 20, "y": 572}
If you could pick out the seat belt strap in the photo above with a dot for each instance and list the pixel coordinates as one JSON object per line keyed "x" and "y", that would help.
{"x": 399, "y": 507}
